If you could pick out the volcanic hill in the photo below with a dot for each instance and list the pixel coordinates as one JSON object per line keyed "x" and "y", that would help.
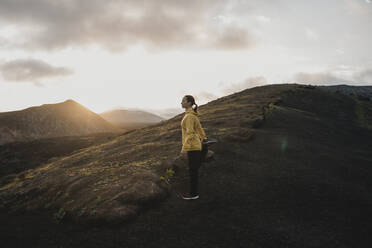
{"x": 52, "y": 120}
{"x": 292, "y": 168}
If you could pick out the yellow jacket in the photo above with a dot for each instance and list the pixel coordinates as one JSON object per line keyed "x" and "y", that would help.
{"x": 192, "y": 131}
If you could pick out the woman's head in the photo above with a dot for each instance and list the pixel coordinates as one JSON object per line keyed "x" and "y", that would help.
{"x": 188, "y": 101}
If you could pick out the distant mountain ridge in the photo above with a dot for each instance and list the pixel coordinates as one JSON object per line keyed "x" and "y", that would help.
{"x": 362, "y": 92}
{"x": 165, "y": 113}
{"x": 123, "y": 116}
{"x": 51, "y": 120}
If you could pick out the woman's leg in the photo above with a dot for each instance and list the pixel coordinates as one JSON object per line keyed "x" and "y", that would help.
{"x": 204, "y": 152}
{"x": 194, "y": 164}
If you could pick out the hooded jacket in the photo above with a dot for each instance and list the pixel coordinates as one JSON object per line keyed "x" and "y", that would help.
{"x": 192, "y": 131}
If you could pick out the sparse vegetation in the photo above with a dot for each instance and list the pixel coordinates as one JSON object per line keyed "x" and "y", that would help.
{"x": 292, "y": 185}
{"x": 127, "y": 168}
{"x": 20, "y": 156}
{"x": 169, "y": 174}
{"x": 58, "y": 216}
{"x": 268, "y": 110}
{"x": 363, "y": 114}
{"x": 81, "y": 210}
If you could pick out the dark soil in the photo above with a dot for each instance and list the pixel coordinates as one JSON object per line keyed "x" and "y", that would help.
{"x": 304, "y": 180}
{"x": 18, "y": 156}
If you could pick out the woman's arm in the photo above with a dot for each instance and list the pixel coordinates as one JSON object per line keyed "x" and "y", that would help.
{"x": 200, "y": 130}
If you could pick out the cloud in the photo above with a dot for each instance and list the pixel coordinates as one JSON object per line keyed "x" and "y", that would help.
{"x": 364, "y": 76}
{"x": 357, "y": 7}
{"x": 347, "y": 75}
{"x": 247, "y": 83}
{"x": 311, "y": 34}
{"x": 223, "y": 19}
{"x": 205, "y": 96}
{"x": 232, "y": 38}
{"x": 31, "y": 70}
{"x": 118, "y": 24}
{"x": 322, "y": 78}
{"x": 263, "y": 19}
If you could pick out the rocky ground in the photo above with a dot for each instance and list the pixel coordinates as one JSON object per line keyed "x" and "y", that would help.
{"x": 297, "y": 177}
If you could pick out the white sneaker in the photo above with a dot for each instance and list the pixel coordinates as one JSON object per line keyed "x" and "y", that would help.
{"x": 188, "y": 196}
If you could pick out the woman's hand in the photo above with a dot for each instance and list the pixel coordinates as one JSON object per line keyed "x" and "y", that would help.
{"x": 183, "y": 154}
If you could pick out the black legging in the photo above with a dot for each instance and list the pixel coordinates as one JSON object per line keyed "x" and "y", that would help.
{"x": 194, "y": 158}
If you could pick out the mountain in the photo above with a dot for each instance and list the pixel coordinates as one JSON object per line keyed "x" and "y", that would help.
{"x": 51, "y": 120}
{"x": 130, "y": 118}
{"x": 362, "y": 92}
{"x": 292, "y": 168}
{"x": 166, "y": 113}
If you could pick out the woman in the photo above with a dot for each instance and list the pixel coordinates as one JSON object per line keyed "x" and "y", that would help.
{"x": 192, "y": 137}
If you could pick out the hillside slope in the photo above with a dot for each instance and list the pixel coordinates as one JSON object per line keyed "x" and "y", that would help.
{"x": 51, "y": 120}
{"x": 115, "y": 180}
{"x": 18, "y": 156}
{"x": 293, "y": 174}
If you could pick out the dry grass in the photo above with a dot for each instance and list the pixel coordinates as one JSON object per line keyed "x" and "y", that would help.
{"x": 113, "y": 181}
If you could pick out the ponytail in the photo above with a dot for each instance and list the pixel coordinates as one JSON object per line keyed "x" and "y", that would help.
{"x": 191, "y": 99}
{"x": 196, "y": 107}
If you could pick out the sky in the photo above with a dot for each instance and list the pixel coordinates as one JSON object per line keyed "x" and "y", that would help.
{"x": 147, "y": 54}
